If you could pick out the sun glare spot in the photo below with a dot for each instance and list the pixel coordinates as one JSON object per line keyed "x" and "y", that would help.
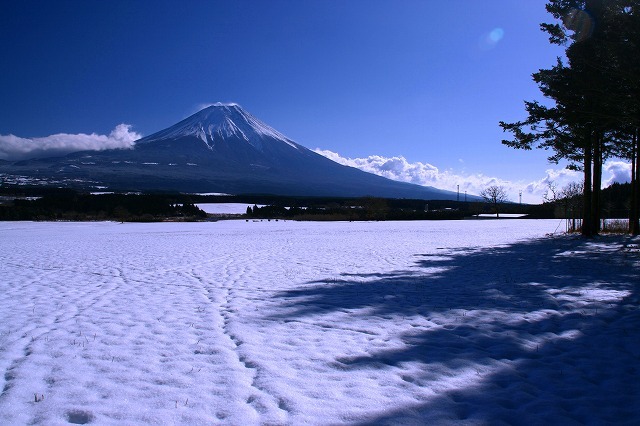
{"x": 489, "y": 40}
{"x": 496, "y": 35}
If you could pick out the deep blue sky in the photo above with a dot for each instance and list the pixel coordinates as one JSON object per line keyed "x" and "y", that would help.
{"x": 428, "y": 80}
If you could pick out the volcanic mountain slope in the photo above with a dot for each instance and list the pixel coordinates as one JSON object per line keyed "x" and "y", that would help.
{"x": 224, "y": 149}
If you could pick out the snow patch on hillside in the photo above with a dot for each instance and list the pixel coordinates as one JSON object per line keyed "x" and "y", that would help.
{"x": 222, "y": 121}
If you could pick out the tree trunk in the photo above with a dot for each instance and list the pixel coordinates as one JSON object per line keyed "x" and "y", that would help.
{"x": 634, "y": 222}
{"x": 597, "y": 183}
{"x": 587, "y": 229}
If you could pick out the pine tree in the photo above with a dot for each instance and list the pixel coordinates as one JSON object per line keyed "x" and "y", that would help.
{"x": 596, "y": 95}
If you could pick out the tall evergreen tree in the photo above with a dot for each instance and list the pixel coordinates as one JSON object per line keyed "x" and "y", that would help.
{"x": 596, "y": 93}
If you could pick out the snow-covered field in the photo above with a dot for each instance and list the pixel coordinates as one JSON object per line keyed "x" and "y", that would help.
{"x": 225, "y": 208}
{"x": 247, "y": 323}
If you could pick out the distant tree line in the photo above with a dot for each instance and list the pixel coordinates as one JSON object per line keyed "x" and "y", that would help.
{"x": 43, "y": 203}
{"x": 595, "y": 94}
{"x": 72, "y": 205}
{"x": 367, "y": 208}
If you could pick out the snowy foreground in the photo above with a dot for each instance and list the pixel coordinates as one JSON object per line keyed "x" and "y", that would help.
{"x": 247, "y": 323}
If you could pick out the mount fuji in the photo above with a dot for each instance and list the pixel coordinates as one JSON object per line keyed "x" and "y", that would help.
{"x": 223, "y": 149}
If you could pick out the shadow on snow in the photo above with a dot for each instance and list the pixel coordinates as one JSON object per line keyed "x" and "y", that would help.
{"x": 549, "y": 326}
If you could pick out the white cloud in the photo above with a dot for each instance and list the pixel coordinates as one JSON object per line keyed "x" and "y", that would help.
{"x": 16, "y": 148}
{"x": 619, "y": 172}
{"x": 398, "y": 168}
{"x": 559, "y": 177}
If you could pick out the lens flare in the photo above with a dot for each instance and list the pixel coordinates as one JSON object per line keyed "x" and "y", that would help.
{"x": 496, "y": 35}
{"x": 489, "y": 40}
{"x": 580, "y": 22}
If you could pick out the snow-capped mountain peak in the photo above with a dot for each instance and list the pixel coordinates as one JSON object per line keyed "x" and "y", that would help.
{"x": 222, "y": 121}
{"x": 221, "y": 148}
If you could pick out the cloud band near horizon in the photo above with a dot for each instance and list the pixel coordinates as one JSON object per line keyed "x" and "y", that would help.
{"x": 425, "y": 174}
{"x": 14, "y": 148}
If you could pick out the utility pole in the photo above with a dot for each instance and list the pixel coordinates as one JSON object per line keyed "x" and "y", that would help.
{"x": 458, "y": 199}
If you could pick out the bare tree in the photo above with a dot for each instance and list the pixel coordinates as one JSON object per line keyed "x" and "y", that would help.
{"x": 568, "y": 201}
{"x": 571, "y": 197}
{"x": 495, "y": 195}
{"x": 551, "y": 193}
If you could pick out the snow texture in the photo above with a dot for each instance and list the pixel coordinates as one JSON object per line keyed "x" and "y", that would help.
{"x": 287, "y": 323}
